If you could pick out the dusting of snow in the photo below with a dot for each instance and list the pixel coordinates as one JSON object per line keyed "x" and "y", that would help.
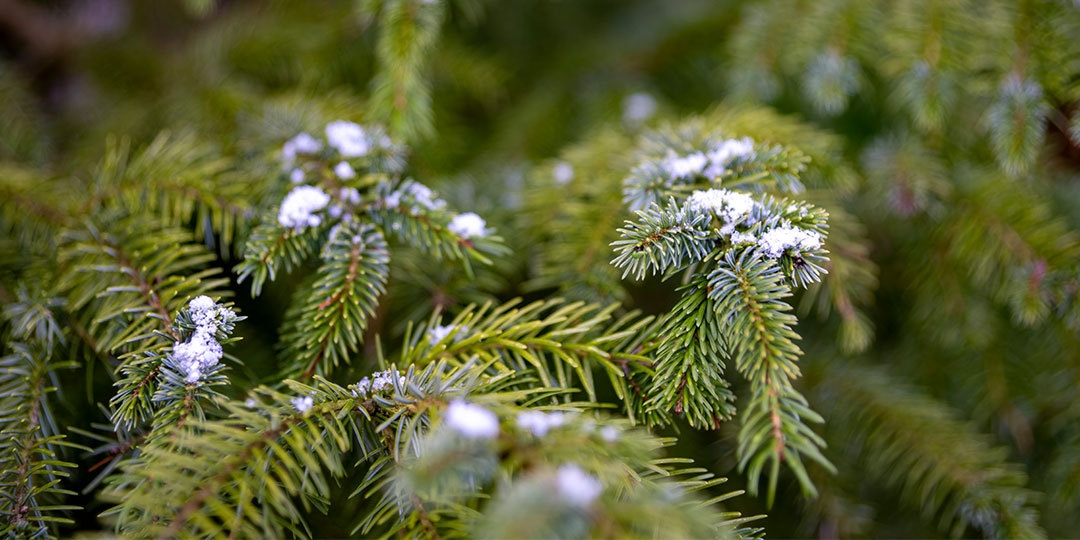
{"x": 299, "y": 207}
{"x": 472, "y": 421}
{"x": 742, "y": 238}
{"x": 344, "y": 171}
{"x": 384, "y": 380}
{"x": 576, "y": 486}
{"x": 726, "y": 152}
{"x": 683, "y": 167}
{"x": 348, "y": 138}
{"x": 733, "y": 208}
{"x": 349, "y": 195}
{"x": 562, "y": 172}
{"x": 419, "y": 193}
{"x": 300, "y": 144}
{"x": 467, "y": 225}
{"x": 539, "y": 422}
{"x": 711, "y": 163}
{"x": 609, "y": 433}
{"x": 775, "y": 242}
{"x": 638, "y": 107}
{"x": 379, "y": 381}
{"x": 303, "y": 403}
{"x": 439, "y": 332}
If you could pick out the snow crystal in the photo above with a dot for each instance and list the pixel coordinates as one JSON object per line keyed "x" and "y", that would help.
{"x": 439, "y": 332}
{"x": 685, "y": 167}
{"x": 384, "y": 380}
{"x": 539, "y": 422}
{"x": 424, "y": 196}
{"x": 562, "y": 172}
{"x": 348, "y": 138}
{"x": 303, "y": 403}
{"x": 576, "y": 486}
{"x": 742, "y": 238}
{"x": 300, "y": 144}
{"x": 297, "y": 210}
{"x": 201, "y": 304}
{"x": 726, "y": 152}
{"x": 775, "y": 242}
{"x": 418, "y": 192}
{"x": 378, "y": 382}
{"x": 250, "y": 403}
{"x": 467, "y": 225}
{"x": 350, "y": 195}
{"x": 296, "y": 176}
{"x": 731, "y": 206}
{"x": 362, "y": 388}
{"x": 472, "y": 421}
{"x": 638, "y": 108}
{"x": 609, "y": 433}
{"x": 344, "y": 171}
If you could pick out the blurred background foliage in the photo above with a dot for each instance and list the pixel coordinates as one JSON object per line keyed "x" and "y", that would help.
{"x": 944, "y": 137}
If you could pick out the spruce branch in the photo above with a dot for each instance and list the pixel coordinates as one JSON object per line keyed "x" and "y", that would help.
{"x": 744, "y": 255}
{"x": 401, "y": 94}
{"x": 689, "y": 367}
{"x": 663, "y": 240}
{"x": 570, "y": 473}
{"x": 570, "y": 259}
{"x": 557, "y": 342}
{"x": 32, "y": 498}
{"x": 1017, "y": 121}
{"x": 750, "y": 291}
{"x": 328, "y": 325}
{"x": 939, "y": 464}
{"x": 272, "y": 247}
{"x": 179, "y": 178}
{"x": 410, "y": 211}
{"x": 264, "y": 454}
{"x": 1027, "y": 243}
{"x": 131, "y": 286}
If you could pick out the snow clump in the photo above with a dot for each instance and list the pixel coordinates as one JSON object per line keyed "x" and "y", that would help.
{"x": 576, "y": 486}
{"x": 299, "y": 207}
{"x": 202, "y": 351}
{"x": 472, "y": 421}
{"x": 468, "y": 225}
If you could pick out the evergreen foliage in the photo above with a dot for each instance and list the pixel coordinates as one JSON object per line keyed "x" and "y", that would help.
{"x": 826, "y": 250}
